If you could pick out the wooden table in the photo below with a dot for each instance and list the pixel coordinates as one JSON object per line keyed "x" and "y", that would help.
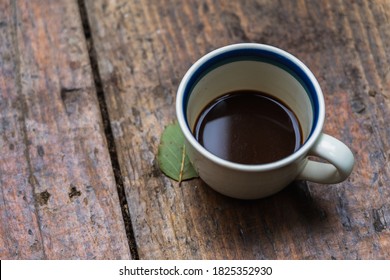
{"x": 87, "y": 87}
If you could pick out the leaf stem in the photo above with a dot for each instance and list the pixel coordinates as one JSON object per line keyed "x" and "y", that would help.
{"x": 183, "y": 157}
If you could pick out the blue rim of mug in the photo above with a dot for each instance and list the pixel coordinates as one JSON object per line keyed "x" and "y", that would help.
{"x": 252, "y": 52}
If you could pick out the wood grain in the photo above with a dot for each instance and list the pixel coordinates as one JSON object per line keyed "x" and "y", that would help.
{"x": 58, "y": 197}
{"x": 143, "y": 50}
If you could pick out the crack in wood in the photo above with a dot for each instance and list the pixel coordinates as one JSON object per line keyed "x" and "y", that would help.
{"x": 108, "y": 132}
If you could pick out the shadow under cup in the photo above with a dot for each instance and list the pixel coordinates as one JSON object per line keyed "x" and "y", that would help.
{"x": 258, "y": 68}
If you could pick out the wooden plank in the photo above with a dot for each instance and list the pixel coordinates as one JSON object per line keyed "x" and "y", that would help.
{"x": 58, "y": 197}
{"x": 143, "y": 50}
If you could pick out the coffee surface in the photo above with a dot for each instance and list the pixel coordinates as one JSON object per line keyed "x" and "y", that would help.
{"x": 248, "y": 127}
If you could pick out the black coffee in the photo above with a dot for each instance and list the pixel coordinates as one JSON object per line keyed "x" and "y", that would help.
{"x": 248, "y": 127}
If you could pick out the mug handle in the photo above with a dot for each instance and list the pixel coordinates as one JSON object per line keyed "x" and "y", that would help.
{"x": 339, "y": 156}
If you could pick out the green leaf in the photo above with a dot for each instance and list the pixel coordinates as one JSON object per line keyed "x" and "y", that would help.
{"x": 172, "y": 157}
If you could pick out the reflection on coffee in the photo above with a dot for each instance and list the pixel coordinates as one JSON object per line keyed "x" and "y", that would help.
{"x": 248, "y": 127}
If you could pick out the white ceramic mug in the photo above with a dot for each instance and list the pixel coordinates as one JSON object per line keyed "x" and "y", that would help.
{"x": 267, "y": 69}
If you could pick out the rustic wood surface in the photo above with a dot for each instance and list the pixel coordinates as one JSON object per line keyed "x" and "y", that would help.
{"x": 53, "y": 145}
{"x": 144, "y": 48}
{"x": 58, "y": 197}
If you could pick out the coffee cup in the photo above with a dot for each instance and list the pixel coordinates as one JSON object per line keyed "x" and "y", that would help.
{"x": 259, "y": 68}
